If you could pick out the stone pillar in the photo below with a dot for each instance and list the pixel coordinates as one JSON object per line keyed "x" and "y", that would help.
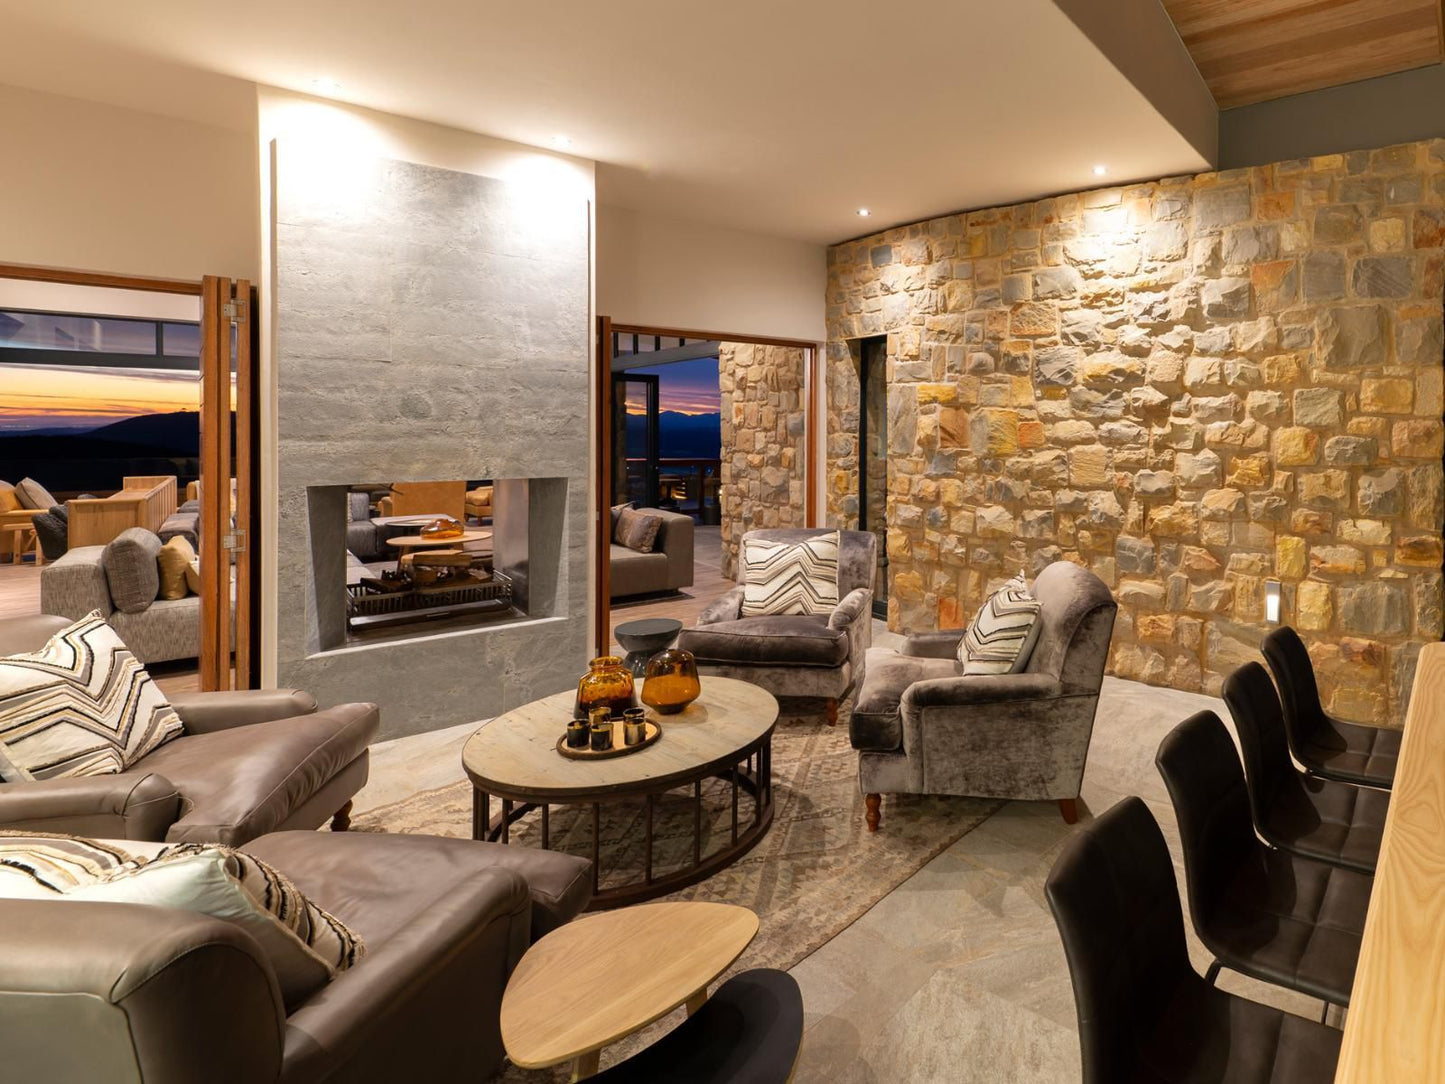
{"x": 761, "y": 477}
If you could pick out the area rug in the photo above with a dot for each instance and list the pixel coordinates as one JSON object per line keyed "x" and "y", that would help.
{"x": 814, "y": 873}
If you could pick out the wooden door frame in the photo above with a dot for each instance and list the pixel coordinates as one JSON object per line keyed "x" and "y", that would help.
{"x": 602, "y": 419}
{"x": 193, "y": 288}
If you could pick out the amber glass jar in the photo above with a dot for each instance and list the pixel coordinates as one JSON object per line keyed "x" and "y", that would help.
{"x": 671, "y": 683}
{"x": 443, "y": 527}
{"x": 608, "y": 684}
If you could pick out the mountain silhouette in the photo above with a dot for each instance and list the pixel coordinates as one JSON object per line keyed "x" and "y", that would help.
{"x": 679, "y": 436}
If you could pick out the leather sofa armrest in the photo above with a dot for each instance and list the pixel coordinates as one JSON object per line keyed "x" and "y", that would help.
{"x": 428, "y": 997}
{"x": 981, "y": 690}
{"x": 933, "y": 645}
{"x": 97, "y": 991}
{"x": 203, "y": 713}
{"x": 726, "y": 607}
{"x": 855, "y": 604}
{"x": 128, "y": 805}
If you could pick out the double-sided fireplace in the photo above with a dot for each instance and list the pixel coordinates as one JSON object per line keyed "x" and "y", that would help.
{"x": 417, "y": 557}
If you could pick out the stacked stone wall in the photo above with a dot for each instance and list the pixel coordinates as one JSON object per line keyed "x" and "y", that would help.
{"x": 761, "y": 476}
{"x": 1191, "y": 387}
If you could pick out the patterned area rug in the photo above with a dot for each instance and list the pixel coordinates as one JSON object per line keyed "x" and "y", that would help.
{"x": 813, "y": 874}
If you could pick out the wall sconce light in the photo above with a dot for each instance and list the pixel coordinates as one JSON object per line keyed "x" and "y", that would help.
{"x": 1271, "y": 602}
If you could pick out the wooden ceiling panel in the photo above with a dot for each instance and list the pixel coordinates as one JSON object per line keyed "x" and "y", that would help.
{"x": 1254, "y": 50}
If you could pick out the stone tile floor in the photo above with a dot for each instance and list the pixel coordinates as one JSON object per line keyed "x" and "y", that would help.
{"x": 958, "y": 975}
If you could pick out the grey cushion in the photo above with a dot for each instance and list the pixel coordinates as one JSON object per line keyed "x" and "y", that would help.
{"x": 190, "y": 506}
{"x": 774, "y": 640}
{"x": 183, "y": 524}
{"x": 131, "y": 571}
{"x": 52, "y": 529}
{"x": 876, "y": 724}
{"x": 33, "y": 495}
{"x": 637, "y": 530}
{"x": 358, "y": 507}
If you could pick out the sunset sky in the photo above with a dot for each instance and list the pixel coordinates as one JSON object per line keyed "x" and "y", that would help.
{"x": 79, "y": 397}
{"x": 688, "y": 387}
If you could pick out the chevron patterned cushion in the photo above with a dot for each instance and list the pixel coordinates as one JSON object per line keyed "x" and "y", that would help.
{"x": 81, "y": 705}
{"x": 1001, "y": 635}
{"x": 36, "y": 865}
{"x": 305, "y": 945}
{"x": 790, "y": 577}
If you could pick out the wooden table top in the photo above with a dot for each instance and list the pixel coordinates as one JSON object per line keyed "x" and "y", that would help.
{"x": 417, "y": 540}
{"x": 601, "y": 977}
{"x": 1395, "y": 1029}
{"x": 517, "y": 751}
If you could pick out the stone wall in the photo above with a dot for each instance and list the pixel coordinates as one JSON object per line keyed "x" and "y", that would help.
{"x": 1189, "y": 386}
{"x": 761, "y": 478}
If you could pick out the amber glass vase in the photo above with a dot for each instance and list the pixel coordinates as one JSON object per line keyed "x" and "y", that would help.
{"x": 607, "y": 684}
{"x": 671, "y": 683}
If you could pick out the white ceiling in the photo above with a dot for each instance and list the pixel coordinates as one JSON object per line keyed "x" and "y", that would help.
{"x": 779, "y": 117}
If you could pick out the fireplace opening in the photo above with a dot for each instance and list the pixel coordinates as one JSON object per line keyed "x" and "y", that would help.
{"x": 410, "y": 558}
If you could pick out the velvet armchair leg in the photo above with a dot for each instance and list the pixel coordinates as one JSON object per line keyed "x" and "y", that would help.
{"x": 873, "y": 815}
{"x": 1070, "y": 809}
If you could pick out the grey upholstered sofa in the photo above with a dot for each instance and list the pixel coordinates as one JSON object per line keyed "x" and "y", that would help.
{"x": 667, "y": 568}
{"x": 166, "y": 629}
{"x": 921, "y": 727}
{"x": 817, "y": 657}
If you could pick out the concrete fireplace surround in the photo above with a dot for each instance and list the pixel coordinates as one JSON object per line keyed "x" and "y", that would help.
{"x": 428, "y": 324}
{"x": 1192, "y": 386}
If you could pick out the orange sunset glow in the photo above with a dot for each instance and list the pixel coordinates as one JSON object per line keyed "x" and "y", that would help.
{"x": 33, "y": 397}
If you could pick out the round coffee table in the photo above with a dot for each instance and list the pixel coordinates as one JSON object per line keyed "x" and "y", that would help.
{"x": 601, "y": 978}
{"x": 405, "y": 543}
{"x": 644, "y": 639}
{"x": 725, "y": 733}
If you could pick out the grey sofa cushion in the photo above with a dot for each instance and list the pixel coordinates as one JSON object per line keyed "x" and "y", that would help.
{"x": 637, "y": 530}
{"x": 358, "y": 507}
{"x": 131, "y": 572}
{"x": 183, "y": 524}
{"x": 33, "y": 495}
{"x": 634, "y": 573}
{"x": 774, "y": 640}
{"x": 876, "y": 724}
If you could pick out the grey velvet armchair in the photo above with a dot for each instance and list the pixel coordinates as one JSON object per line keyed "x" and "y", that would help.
{"x": 804, "y": 657}
{"x": 921, "y": 727}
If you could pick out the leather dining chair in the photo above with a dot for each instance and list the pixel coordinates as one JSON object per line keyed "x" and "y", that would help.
{"x": 1265, "y": 913}
{"x": 1333, "y": 822}
{"x": 1327, "y": 747}
{"x": 1144, "y": 1013}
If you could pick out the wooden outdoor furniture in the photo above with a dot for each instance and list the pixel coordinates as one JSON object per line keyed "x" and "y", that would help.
{"x": 726, "y": 733}
{"x": 1396, "y": 1018}
{"x": 17, "y": 535}
{"x": 602, "y": 977}
{"x": 143, "y": 501}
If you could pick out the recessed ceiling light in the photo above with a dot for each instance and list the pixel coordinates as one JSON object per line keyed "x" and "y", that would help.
{"x": 863, "y": 212}
{"x": 325, "y": 85}
{"x": 1099, "y": 171}
{"x": 561, "y": 141}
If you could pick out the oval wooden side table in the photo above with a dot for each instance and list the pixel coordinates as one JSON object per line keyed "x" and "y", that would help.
{"x": 602, "y": 977}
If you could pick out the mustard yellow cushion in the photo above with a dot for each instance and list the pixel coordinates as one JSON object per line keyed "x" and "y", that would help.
{"x": 174, "y": 559}
{"x": 8, "y": 501}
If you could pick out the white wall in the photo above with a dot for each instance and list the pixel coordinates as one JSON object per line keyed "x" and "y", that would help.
{"x": 95, "y": 187}
{"x": 664, "y": 272}
{"x": 334, "y": 133}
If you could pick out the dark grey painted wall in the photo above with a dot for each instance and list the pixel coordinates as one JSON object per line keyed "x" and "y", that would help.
{"x": 1398, "y": 108}
{"x": 428, "y": 325}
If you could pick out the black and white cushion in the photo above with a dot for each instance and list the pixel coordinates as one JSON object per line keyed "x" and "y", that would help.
{"x": 1001, "y": 636}
{"x": 790, "y": 577}
{"x": 81, "y": 705}
{"x": 35, "y": 865}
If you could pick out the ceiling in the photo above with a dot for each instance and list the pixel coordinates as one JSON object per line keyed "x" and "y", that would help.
{"x": 775, "y": 118}
{"x": 1254, "y": 50}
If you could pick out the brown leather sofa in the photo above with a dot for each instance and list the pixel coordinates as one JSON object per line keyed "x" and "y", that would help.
{"x": 249, "y": 763}
{"x": 102, "y": 992}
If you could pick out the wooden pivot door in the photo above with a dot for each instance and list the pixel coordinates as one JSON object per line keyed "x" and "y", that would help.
{"x": 229, "y": 425}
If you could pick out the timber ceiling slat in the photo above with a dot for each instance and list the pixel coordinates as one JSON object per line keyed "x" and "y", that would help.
{"x": 1254, "y": 50}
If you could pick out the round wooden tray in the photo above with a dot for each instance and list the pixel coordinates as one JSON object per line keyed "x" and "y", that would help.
{"x": 652, "y": 731}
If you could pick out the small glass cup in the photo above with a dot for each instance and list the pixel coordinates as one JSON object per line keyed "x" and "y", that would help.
{"x": 601, "y": 733}
{"x": 634, "y": 726}
{"x": 578, "y": 731}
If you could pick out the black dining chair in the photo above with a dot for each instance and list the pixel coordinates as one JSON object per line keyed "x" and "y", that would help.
{"x": 1145, "y": 1015}
{"x": 1327, "y": 747}
{"x": 1338, "y": 823}
{"x": 748, "y": 1032}
{"x": 1266, "y": 913}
